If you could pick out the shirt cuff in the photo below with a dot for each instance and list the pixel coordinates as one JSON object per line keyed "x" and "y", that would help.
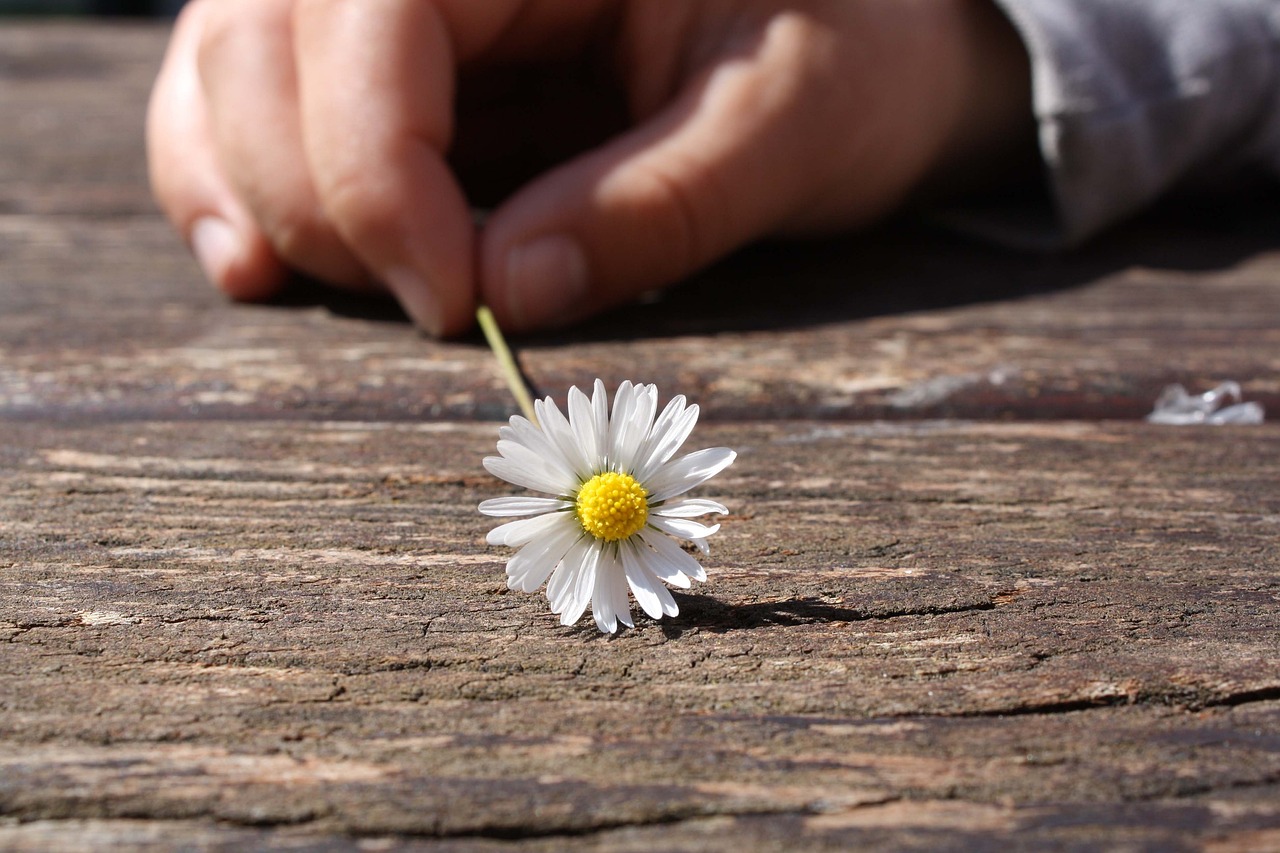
{"x": 1135, "y": 97}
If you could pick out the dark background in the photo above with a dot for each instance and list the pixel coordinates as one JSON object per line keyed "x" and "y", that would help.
{"x": 135, "y": 8}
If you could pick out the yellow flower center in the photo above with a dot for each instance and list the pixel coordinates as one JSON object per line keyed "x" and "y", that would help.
{"x": 612, "y": 506}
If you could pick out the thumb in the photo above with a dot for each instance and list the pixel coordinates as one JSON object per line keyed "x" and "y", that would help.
{"x": 718, "y": 166}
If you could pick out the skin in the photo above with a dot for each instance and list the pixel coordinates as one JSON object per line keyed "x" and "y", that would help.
{"x": 618, "y": 145}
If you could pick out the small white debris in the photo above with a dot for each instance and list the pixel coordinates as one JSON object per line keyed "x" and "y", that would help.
{"x": 1175, "y": 406}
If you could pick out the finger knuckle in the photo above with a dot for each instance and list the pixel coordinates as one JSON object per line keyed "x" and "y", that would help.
{"x": 217, "y": 38}
{"x": 295, "y": 236}
{"x": 362, "y": 210}
{"x": 685, "y": 200}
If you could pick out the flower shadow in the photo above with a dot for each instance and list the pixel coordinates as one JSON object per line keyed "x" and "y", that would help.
{"x": 705, "y": 613}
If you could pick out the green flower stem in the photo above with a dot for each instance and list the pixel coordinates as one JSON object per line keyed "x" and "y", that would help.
{"x": 506, "y": 361}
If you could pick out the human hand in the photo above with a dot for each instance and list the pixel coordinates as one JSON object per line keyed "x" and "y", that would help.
{"x": 330, "y": 137}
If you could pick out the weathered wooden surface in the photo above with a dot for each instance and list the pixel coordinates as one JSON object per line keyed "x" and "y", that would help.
{"x": 953, "y": 631}
{"x": 245, "y": 598}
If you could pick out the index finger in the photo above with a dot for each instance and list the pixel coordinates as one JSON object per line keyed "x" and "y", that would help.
{"x": 376, "y": 83}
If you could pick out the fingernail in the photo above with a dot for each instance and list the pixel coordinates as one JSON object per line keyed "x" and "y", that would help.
{"x": 417, "y": 297}
{"x": 216, "y": 247}
{"x": 547, "y": 278}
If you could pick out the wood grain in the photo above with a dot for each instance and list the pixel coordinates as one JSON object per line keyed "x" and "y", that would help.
{"x": 298, "y": 625}
{"x": 965, "y": 598}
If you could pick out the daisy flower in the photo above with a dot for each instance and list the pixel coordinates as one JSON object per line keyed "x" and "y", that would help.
{"x": 612, "y": 482}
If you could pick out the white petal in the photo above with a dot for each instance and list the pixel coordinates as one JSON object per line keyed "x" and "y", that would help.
{"x": 565, "y": 577}
{"x": 622, "y": 401}
{"x": 669, "y": 432}
{"x": 511, "y": 422}
{"x": 528, "y": 568}
{"x": 584, "y": 584}
{"x": 615, "y": 587}
{"x": 558, "y": 430}
{"x": 689, "y": 508}
{"x": 600, "y": 419}
{"x": 703, "y": 548}
{"x": 688, "y": 471}
{"x": 672, "y": 412}
{"x": 516, "y": 534}
{"x": 618, "y": 420}
{"x": 621, "y": 602}
{"x": 683, "y": 528}
{"x": 601, "y": 606}
{"x": 521, "y": 505}
{"x": 525, "y": 433}
{"x": 669, "y": 562}
{"x": 665, "y": 599}
{"x": 561, "y": 583}
{"x": 630, "y": 427}
{"x": 651, "y": 595}
{"x": 602, "y": 598}
{"x": 543, "y": 457}
{"x": 661, "y": 568}
{"x": 535, "y": 477}
{"x": 582, "y": 420}
{"x": 660, "y": 427}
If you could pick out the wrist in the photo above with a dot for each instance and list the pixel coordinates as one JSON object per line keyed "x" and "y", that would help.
{"x": 934, "y": 98}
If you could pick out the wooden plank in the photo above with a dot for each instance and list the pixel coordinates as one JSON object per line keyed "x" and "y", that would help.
{"x": 911, "y": 633}
{"x": 73, "y": 97}
{"x": 109, "y": 319}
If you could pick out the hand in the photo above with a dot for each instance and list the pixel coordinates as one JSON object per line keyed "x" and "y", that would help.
{"x": 645, "y": 139}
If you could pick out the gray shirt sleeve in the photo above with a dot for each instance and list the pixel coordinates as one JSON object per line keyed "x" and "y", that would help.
{"x": 1133, "y": 98}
